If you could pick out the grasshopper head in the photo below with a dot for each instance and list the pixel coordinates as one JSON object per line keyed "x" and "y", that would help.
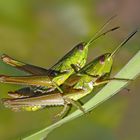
{"x": 78, "y": 55}
{"x": 99, "y": 66}
{"x": 105, "y": 63}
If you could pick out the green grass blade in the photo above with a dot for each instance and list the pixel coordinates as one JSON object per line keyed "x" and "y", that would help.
{"x": 130, "y": 70}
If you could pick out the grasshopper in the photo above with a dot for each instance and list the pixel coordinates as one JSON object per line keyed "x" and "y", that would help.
{"x": 52, "y": 78}
{"x": 78, "y": 85}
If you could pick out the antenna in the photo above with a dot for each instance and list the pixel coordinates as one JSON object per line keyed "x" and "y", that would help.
{"x": 100, "y": 30}
{"x": 124, "y": 42}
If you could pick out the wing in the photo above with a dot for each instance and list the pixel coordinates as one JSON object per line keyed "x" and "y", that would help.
{"x": 31, "y": 69}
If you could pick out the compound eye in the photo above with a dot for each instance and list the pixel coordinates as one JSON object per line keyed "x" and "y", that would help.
{"x": 81, "y": 46}
{"x": 102, "y": 59}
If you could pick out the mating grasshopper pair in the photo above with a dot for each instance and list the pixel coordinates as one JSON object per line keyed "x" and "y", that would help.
{"x": 65, "y": 83}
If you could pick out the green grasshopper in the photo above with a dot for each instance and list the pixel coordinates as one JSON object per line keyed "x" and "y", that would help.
{"x": 75, "y": 87}
{"x": 57, "y": 74}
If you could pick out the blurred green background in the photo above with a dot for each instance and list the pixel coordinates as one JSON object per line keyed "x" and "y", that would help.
{"x": 42, "y": 31}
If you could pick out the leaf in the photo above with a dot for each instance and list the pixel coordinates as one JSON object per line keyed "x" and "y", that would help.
{"x": 130, "y": 71}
